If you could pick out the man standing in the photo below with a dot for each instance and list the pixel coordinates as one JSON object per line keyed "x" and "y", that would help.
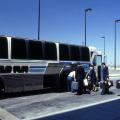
{"x": 80, "y": 75}
{"x": 105, "y": 76}
{"x": 105, "y": 72}
{"x": 92, "y": 78}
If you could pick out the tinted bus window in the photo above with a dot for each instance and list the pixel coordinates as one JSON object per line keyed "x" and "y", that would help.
{"x": 50, "y": 51}
{"x": 18, "y": 49}
{"x": 74, "y": 53}
{"x": 3, "y": 48}
{"x": 35, "y": 50}
{"x": 84, "y": 52}
{"x": 64, "y": 52}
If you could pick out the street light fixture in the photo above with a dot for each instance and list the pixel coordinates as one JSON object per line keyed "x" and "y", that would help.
{"x": 86, "y": 10}
{"x": 38, "y": 19}
{"x": 116, "y": 21}
{"x": 104, "y": 47}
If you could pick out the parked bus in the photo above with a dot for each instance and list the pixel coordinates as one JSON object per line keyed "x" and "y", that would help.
{"x": 27, "y": 65}
{"x": 95, "y": 56}
{"x": 96, "y": 60}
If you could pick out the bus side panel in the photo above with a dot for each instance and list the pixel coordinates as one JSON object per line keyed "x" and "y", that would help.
{"x": 52, "y": 74}
{"x": 13, "y": 83}
{"x": 33, "y": 82}
{"x": 63, "y": 77}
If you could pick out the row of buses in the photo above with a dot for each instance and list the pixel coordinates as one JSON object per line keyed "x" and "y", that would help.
{"x": 33, "y": 64}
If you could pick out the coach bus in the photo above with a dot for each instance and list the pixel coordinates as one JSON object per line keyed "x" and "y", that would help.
{"x": 95, "y": 56}
{"x": 96, "y": 60}
{"x": 27, "y": 65}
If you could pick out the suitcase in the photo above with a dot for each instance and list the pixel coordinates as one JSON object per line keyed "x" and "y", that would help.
{"x": 85, "y": 82}
{"x": 110, "y": 83}
{"x": 103, "y": 84}
{"x": 118, "y": 84}
{"x": 74, "y": 86}
{"x": 105, "y": 87}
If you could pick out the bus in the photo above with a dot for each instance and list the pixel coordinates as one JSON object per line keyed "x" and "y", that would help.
{"x": 95, "y": 56}
{"x": 96, "y": 60}
{"x": 27, "y": 65}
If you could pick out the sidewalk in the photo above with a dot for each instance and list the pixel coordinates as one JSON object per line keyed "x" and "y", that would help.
{"x": 114, "y": 73}
{"x": 5, "y": 115}
{"x": 40, "y": 106}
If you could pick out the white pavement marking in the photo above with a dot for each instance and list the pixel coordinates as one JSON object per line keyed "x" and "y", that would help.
{"x": 114, "y": 75}
{"x": 72, "y": 109}
{"x": 5, "y": 115}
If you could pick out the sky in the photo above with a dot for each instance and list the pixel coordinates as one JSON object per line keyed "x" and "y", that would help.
{"x": 63, "y": 21}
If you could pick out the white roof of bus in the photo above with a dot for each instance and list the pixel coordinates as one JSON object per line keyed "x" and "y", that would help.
{"x": 92, "y": 48}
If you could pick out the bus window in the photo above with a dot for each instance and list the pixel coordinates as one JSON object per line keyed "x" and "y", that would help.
{"x": 50, "y": 51}
{"x": 35, "y": 50}
{"x": 97, "y": 60}
{"x": 18, "y": 48}
{"x": 3, "y": 48}
{"x": 74, "y": 53}
{"x": 84, "y": 54}
{"x": 64, "y": 52}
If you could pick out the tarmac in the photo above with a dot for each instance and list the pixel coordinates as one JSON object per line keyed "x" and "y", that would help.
{"x": 43, "y": 105}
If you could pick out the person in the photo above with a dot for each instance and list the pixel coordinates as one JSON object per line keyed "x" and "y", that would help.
{"x": 92, "y": 78}
{"x": 80, "y": 75}
{"x": 71, "y": 77}
{"x": 105, "y": 72}
{"x": 105, "y": 77}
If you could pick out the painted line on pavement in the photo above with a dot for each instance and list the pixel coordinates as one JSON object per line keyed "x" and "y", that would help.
{"x": 72, "y": 109}
{"x": 114, "y": 74}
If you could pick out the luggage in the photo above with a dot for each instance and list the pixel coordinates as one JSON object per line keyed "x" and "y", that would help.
{"x": 105, "y": 87}
{"x": 118, "y": 84}
{"x": 85, "y": 82}
{"x": 110, "y": 83}
{"x": 74, "y": 85}
{"x": 103, "y": 84}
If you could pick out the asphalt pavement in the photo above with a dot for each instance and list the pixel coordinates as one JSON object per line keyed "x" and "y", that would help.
{"x": 60, "y": 105}
{"x": 105, "y": 111}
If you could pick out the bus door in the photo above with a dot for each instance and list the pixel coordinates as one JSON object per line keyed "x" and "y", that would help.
{"x": 51, "y": 76}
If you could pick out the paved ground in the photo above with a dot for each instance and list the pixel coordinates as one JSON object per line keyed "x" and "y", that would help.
{"x": 41, "y": 105}
{"x": 105, "y": 111}
{"x": 115, "y": 73}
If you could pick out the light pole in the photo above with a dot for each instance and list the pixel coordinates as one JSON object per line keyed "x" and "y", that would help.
{"x": 116, "y": 21}
{"x": 38, "y": 19}
{"x": 104, "y": 47}
{"x": 86, "y": 10}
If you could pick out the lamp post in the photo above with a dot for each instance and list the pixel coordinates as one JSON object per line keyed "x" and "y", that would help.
{"x": 116, "y": 21}
{"x": 104, "y": 47}
{"x": 86, "y": 10}
{"x": 38, "y": 19}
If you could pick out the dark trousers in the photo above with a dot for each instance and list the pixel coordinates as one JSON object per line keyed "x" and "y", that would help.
{"x": 105, "y": 89}
{"x": 81, "y": 87}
